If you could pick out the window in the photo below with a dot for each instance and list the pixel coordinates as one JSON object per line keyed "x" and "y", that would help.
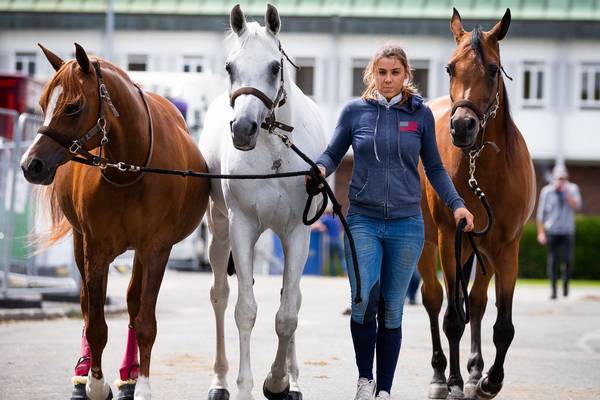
{"x": 533, "y": 84}
{"x": 25, "y": 63}
{"x": 305, "y": 76}
{"x": 358, "y": 69}
{"x": 421, "y": 76}
{"x": 193, "y": 64}
{"x": 137, "y": 62}
{"x": 590, "y": 86}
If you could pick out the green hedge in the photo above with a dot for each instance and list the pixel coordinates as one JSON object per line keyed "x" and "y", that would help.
{"x": 532, "y": 256}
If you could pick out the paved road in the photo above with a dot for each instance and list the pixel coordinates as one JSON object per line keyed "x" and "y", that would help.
{"x": 555, "y": 354}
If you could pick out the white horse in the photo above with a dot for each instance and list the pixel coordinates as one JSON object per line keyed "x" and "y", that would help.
{"x": 234, "y": 142}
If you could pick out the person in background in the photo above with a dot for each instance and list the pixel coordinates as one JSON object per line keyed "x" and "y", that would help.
{"x": 389, "y": 128}
{"x": 330, "y": 225}
{"x": 556, "y": 225}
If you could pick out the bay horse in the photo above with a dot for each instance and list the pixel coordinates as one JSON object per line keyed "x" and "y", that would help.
{"x": 476, "y": 114}
{"x": 235, "y": 141}
{"x": 92, "y": 108}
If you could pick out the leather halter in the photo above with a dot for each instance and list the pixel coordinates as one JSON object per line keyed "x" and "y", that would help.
{"x": 76, "y": 146}
{"x": 270, "y": 122}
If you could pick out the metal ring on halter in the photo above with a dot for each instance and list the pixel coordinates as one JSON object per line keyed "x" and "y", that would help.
{"x": 75, "y": 147}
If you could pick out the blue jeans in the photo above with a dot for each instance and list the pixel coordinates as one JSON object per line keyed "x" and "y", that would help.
{"x": 388, "y": 252}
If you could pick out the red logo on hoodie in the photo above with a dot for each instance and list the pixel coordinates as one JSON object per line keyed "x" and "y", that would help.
{"x": 408, "y": 126}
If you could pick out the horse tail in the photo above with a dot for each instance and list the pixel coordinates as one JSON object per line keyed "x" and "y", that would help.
{"x": 50, "y": 209}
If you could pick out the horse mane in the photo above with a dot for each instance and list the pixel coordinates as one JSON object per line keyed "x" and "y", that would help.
{"x": 512, "y": 132}
{"x": 477, "y": 43}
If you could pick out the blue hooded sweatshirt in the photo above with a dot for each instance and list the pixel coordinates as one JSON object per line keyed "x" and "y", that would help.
{"x": 387, "y": 140}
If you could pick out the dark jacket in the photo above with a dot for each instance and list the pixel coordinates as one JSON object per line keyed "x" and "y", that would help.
{"x": 387, "y": 142}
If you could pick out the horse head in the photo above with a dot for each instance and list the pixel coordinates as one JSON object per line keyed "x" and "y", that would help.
{"x": 71, "y": 103}
{"x": 475, "y": 78}
{"x": 255, "y": 68}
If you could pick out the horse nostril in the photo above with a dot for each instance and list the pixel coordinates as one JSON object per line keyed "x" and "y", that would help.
{"x": 35, "y": 167}
{"x": 253, "y": 128}
{"x": 471, "y": 124}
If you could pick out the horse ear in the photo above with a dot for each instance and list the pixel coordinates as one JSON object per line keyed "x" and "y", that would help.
{"x": 54, "y": 60}
{"x": 456, "y": 25}
{"x": 501, "y": 28}
{"x": 82, "y": 58}
{"x": 272, "y": 20}
{"x": 237, "y": 20}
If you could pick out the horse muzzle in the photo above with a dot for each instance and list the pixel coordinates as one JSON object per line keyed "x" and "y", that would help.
{"x": 244, "y": 133}
{"x": 37, "y": 171}
{"x": 464, "y": 129}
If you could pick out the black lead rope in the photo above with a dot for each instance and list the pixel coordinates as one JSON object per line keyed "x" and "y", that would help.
{"x": 461, "y": 281}
{"x": 312, "y": 190}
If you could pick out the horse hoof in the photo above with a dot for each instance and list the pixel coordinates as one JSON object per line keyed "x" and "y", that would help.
{"x": 276, "y": 396}
{"x": 78, "y": 392}
{"x": 126, "y": 391}
{"x": 218, "y": 394}
{"x": 294, "y": 396}
{"x": 470, "y": 390}
{"x": 485, "y": 390}
{"x": 456, "y": 393}
{"x": 438, "y": 391}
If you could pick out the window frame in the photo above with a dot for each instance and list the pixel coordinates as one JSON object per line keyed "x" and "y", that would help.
{"x": 26, "y": 59}
{"x": 535, "y": 68}
{"x": 592, "y": 69}
{"x": 193, "y": 60}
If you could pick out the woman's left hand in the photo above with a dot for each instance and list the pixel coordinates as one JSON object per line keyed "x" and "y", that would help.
{"x": 461, "y": 213}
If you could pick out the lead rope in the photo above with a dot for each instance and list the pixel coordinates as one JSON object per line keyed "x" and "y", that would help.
{"x": 463, "y": 272}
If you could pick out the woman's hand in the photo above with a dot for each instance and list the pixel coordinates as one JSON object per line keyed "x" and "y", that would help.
{"x": 461, "y": 213}
{"x": 307, "y": 178}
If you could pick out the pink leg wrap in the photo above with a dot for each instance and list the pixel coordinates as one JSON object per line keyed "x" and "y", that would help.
{"x": 85, "y": 359}
{"x": 130, "y": 366}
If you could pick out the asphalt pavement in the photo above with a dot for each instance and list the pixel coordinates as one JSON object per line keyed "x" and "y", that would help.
{"x": 555, "y": 353}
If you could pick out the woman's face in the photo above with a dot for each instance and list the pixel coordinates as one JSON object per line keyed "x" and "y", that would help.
{"x": 389, "y": 77}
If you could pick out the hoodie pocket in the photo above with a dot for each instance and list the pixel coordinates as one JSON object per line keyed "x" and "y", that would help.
{"x": 373, "y": 188}
{"x": 402, "y": 190}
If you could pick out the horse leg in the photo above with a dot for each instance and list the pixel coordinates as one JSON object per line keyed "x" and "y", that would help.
{"x": 277, "y": 383}
{"x": 478, "y": 301}
{"x": 293, "y": 370}
{"x": 504, "y": 331}
{"x": 82, "y": 368}
{"x": 129, "y": 369}
{"x": 243, "y": 235}
{"x": 154, "y": 262}
{"x": 433, "y": 296}
{"x": 453, "y": 326}
{"x": 218, "y": 254}
{"x": 96, "y": 278}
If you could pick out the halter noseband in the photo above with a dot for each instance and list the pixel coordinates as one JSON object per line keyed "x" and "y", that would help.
{"x": 270, "y": 122}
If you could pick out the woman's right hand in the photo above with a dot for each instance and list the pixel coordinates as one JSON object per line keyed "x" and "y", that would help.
{"x": 308, "y": 178}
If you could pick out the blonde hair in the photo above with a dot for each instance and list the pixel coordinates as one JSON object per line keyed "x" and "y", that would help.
{"x": 388, "y": 51}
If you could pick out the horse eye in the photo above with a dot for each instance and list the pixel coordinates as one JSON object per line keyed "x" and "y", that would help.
{"x": 493, "y": 69}
{"x": 450, "y": 70}
{"x": 275, "y": 69}
{"x": 228, "y": 68}
{"x": 72, "y": 109}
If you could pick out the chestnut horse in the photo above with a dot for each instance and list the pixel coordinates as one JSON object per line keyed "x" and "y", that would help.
{"x": 90, "y": 104}
{"x": 476, "y": 114}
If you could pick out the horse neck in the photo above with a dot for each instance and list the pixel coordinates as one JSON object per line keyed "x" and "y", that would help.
{"x": 128, "y": 135}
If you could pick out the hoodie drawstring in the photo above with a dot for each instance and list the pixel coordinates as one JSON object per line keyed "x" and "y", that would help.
{"x": 375, "y": 136}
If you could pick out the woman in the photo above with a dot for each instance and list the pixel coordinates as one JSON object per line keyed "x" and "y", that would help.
{"x": 388, "y": 128}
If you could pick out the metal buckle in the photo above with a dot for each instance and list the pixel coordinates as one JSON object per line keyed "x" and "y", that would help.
{"x": 102, "y": 124}
{"x": 75, "y": 147}
{"x": 99, "y": 162}
{"x": 103, "y": 91}
{"x": 121, "y": 166}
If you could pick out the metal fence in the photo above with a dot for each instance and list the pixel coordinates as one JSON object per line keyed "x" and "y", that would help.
{"x": 22, "y": 272}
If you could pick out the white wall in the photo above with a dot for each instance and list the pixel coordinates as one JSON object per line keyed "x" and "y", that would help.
{"x": 559, "y": 129}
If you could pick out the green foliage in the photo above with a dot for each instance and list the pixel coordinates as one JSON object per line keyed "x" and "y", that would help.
{"x": 532, "y": 256}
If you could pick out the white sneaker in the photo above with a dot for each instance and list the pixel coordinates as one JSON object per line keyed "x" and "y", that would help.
{"x": 365, "y": 389}
{"x": 383, "y": 395}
